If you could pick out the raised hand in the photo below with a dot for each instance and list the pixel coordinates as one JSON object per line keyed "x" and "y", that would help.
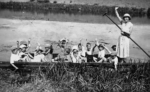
{"x": 96, "y": 41}
{"x": 116, "y": 8}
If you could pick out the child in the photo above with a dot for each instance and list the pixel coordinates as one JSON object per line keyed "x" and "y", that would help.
{"x": 48, "y": 52}
{"x": 101, "y": 54}
{"x": 81, "y": 52}
{"x": 68, "y": 55}
{"x": 113, "y": 56}
{"x": 75, "y": 55}
{"x": 22, "y": 53}
{"x": 39, "y": 56}
{"x": 89, "y": 52}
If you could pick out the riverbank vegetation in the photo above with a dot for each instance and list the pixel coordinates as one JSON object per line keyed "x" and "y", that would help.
{"x": 60, "y": 77}
{"x": 71, "y": 8}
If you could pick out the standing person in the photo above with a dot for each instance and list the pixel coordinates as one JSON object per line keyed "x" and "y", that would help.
{"x": 123, "y": 41}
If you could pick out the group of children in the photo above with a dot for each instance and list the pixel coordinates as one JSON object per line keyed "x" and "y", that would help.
{"x": 78, "y": 53}
{"x": 75, "y": 54}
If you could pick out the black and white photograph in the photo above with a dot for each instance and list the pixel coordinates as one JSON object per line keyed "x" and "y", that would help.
{"x": 74, "y": 45}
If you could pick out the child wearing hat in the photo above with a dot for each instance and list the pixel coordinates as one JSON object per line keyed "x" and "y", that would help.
{"x": 81, "y": 51}
{"x": 89, "y": 51}
{"x": 123, "y": 41}
{"x": 22, "y": 53}
{"x": 101, "y": 54}
{"x": 75, "y": 55}
{"x": 112, "y": 56}
{"x": 38, "y": 56}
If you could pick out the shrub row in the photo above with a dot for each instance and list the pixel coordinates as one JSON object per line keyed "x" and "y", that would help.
{"x": 71, "y": 8}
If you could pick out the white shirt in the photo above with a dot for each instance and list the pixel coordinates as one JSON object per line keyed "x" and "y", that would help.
{"x": 115, "y": 60}
{"x": 20, "y": 54}
{"x": 101, "y": 54}
{"x": 38, "y": 58}
{"x": 13, "y": 58}
{"x": 126, "y": 27}
{"x": 74, "y": 59}
{"x": 89, "y": 52}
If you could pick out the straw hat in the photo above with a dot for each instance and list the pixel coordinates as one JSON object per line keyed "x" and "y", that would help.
{"x": 47, "y": 45}
{"x": 39, "y": 48}
{"x": 127, "y": 15}
{"x": 22, "y": 46}
{"x": 23, "y": 43}
{"x": 74, "y": 48}
{"x": 14, "y": 47}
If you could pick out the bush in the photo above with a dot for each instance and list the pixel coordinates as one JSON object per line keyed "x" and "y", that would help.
{"x": 61, "y": 77}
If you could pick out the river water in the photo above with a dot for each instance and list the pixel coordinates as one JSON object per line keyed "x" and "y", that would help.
{"x": 85, "y": 18}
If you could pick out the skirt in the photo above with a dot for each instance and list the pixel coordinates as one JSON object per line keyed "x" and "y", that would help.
{"x": 123, "y": 47}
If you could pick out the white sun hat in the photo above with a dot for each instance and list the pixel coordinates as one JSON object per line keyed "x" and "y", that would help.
{"x": 14, "y": 47}
{"x": 127, "y": 15}
{"x": 75, "y": 47}
{"x": 47, "y": 45}
{"x": 22, "y": 46}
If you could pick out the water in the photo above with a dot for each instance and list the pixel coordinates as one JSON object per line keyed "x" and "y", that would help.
{"x": 85, "y": 18}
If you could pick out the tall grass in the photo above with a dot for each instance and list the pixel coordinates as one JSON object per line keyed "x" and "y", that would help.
{"x": 62, "y": 77}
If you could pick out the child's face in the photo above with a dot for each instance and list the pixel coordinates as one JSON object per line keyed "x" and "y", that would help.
{"x": 46, "y": 48}
{"x": 15, "y": 51}
{"x": 24, "y": 49}
{"x": 113, "y": 57}
{"x": 80, "y": 47}
{"x": 39, "y": 52}
{"x": 114, "y": 48}
{"x": 75, "y": 53}
{"x": 88, "y": 46}
{"x": 100, "y": 48}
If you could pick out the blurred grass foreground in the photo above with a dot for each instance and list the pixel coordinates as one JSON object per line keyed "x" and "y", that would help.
{"x": 60, "y": 77}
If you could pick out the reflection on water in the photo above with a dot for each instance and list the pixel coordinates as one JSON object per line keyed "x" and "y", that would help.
{"x": 86, "y": 18}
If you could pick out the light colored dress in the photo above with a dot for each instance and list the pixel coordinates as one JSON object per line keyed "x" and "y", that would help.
{"x": 123, "y": 41}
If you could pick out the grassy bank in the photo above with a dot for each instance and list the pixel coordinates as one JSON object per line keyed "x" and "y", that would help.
{"x": 62, "y": 78}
